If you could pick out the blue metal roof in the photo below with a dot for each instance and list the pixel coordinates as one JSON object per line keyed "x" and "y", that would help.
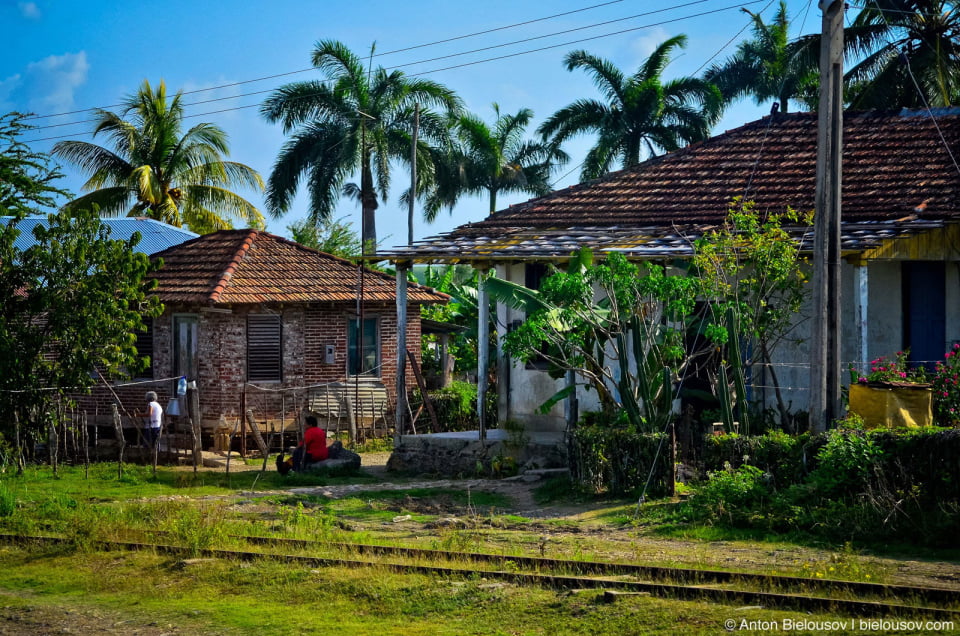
{"x": 155, "y": 236}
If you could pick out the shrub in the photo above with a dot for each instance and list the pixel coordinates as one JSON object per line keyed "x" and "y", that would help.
{"x": 864, "y": 485}
{"x": 946, "y": 389}
{"x": 618, "y": 461}
{"x": 896, "y": 370}
{"x": 780, "y": 455}
{"x": 736, "y": 496}
{"x": 846, "y": 463}
{"x": 456, "y": 406}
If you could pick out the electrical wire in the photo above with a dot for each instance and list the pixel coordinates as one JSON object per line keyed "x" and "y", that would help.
{"x": 905, "y": 59}
{"x": 400, "y": 50}
{"x": 465, "y": 64}
{"x": 406, "y": 64}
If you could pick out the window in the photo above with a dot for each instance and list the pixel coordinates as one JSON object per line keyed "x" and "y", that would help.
{"x": 533, "y": 276}
{"x": 366, "y": 360}
{"x": 264, "y": 348}
{"x": 185, "y": 346}
{"x": 144, "y": 345}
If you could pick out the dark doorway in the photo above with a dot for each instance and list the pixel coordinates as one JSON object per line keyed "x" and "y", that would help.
{"x": 924, "y": 311}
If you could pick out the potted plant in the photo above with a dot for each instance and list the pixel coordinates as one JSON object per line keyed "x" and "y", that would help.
{"x": 892, "y": 395}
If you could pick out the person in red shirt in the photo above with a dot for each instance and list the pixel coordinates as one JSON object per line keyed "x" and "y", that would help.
{"x": 313, "y": 448}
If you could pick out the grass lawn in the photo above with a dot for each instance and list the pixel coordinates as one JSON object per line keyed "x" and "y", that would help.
{"x": 77, "y": 587}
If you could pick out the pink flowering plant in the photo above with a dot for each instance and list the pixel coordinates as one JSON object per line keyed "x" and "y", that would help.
{"x": 896, "y": 370}
{"x": 946, "y": 389}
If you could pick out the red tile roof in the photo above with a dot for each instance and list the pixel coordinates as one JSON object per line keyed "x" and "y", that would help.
{"x": 252, "y": 266}
{"x": 897, "y": 167}
{"x": 895, "y": 164}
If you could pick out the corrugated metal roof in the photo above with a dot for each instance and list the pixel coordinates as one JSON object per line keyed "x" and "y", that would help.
{"x": 154, "y": 235}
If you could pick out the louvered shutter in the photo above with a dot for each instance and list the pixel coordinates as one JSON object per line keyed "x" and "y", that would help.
{"x": 264, "y": 348}
{"x": 144, "y": 347}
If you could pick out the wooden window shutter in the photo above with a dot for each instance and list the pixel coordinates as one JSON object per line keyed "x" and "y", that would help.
{"x": 144, "y": 347}
{"x": 264, "y": 348}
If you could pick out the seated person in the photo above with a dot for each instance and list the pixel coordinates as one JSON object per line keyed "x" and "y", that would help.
{"x": 313, "y": 448}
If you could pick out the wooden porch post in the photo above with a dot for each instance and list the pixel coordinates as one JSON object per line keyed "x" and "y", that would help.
{"x": 401, "y": 380}
{"x": 483, "y": 338}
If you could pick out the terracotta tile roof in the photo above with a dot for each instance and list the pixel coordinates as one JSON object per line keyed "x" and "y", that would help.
{"x": 896, "y": 169}
{"x": 252, "y": 266}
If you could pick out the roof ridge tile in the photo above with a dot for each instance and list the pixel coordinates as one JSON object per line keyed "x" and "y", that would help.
{"x": 227, "y": 274}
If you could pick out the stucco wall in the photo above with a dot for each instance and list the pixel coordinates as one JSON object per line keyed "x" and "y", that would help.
{"x": 528, "y": 389}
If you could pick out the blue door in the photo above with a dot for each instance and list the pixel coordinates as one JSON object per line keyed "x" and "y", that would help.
{"x": 924, "y": 311}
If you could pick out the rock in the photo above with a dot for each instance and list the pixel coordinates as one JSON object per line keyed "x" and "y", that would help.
{"x": 339, "y": 459}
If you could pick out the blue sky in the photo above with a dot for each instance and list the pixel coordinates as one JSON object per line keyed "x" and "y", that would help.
{"x": 64, "y": 56}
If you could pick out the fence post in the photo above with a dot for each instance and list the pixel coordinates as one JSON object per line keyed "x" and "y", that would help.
{"x": 193, "y": 409}
{"x": 118, "y": 428}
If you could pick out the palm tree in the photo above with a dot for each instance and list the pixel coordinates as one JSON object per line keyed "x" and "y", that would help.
{"x": 490, "y": 159}
{"x": 354, "y": 120}
{"x": 904, "y": 45}
{"x": 766, "y": 67}
{"x": 640, "y": 111}
{"x": 158, "y": 171}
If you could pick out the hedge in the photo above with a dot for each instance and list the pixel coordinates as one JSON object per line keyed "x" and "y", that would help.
{"x": 617, "y": 461}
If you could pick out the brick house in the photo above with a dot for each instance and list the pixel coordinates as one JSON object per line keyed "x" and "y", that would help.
{"x": 254, "y": 319}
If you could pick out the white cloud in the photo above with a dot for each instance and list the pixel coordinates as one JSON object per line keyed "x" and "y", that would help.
{"x": 7, "y": 87}
{"x": 641, "y": 47}
{"x": 29, "y": 10}
{"x": 48, "y": 86}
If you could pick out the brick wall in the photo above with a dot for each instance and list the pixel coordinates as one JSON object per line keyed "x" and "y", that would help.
{"x": 221, "y": 353}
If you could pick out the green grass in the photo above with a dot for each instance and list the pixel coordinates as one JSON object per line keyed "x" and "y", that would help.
{"x": 221, "y": 597}
{"x": 201, "y": 512}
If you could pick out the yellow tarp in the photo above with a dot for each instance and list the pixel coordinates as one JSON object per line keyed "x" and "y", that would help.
{"x": 892, "y": 407}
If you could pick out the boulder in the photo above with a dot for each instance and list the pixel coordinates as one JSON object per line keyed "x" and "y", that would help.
{"x": 338, "y": 459}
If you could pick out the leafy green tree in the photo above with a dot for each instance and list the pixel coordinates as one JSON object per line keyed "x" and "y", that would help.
{"x": 627, "y": 345}
{"x": 156, "y": 170}
{"x": 463, "y": 310}
{"x": 487, "y": 159}
{"x": 26, "y": 177}
{"x": 642, "y": 111}
{"x": 753, "y": 274}
{"x": 72, "y": 302}
{"x": 354, "y": 120}
{"x": 768, "y": 66}
{"x": 333, "y": 236}
{"x": 909, "y": 54}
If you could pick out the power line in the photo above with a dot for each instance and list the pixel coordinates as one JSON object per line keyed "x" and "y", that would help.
{"x": 905, "y": 59}
{"x": 434, "y": 59}
{"x": 304, "y": 70}
{"x": 473, "y": 63}
{"x": 549, "y": 35}
{"x": 452, "y": 55}
{"x": 397, "y": 66}
{"x": 596, "y": 37}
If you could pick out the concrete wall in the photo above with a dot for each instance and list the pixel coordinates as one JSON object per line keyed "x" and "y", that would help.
{"x": 522, "y": 389}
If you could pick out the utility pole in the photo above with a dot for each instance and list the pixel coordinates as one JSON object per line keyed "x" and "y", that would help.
{"x": 413, "y": 173}
{"x": 825, "y": 345}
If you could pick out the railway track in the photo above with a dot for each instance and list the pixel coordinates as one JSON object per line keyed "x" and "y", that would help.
{"x": 740, "y": 588}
